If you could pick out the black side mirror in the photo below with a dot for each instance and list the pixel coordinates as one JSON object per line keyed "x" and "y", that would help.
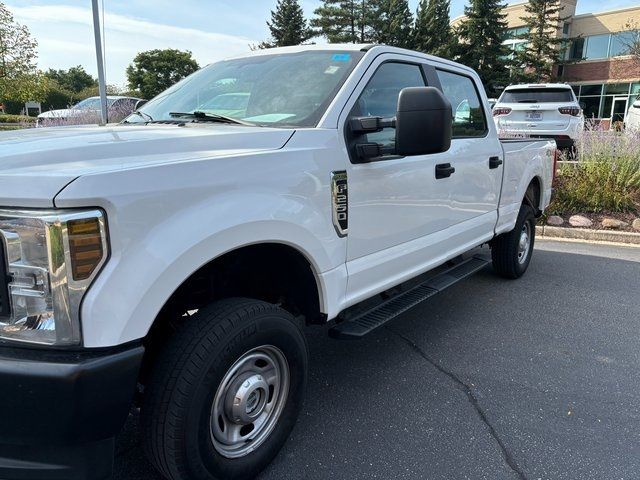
{"x": 424, "y": 122}
{"x": 139, "y": 104}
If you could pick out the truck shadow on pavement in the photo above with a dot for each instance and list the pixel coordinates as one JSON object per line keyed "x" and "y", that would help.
{"x": 535, "y": 378}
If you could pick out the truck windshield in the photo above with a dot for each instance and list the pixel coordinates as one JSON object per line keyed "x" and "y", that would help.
{"x": 537, "y": 95}
{"x": 291, "y": 89}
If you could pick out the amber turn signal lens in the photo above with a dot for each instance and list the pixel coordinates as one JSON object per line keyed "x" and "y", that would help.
{"x": 85, "y": 247}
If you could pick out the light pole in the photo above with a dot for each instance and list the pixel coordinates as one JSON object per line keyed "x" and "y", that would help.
{"x": 101, "y": 79}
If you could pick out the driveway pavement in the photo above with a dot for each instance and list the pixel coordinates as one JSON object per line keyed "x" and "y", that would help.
{"x": 492, "y": 379}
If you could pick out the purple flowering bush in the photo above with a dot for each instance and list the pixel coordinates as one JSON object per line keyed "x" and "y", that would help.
{"x": 605, "y": 176}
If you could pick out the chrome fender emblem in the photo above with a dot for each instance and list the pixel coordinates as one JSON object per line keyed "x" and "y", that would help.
{"x": 340, "y": 202}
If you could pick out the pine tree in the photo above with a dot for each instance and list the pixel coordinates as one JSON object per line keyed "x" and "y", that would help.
{"x": 481, "y": 35}
{"x": 288, "y": 25}
{"x": 545, "y": 47}
{"x": 432, "y": 31}
{"x": 345, "y": 21}
{"x": 392, "y": 22}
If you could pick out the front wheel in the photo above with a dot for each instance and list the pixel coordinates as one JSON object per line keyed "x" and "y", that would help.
{"x": 511, "y": 252}
{"x": 226, "y": 392}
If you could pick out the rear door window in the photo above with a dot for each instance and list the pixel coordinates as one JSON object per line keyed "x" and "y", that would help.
{"x": 468, "y": 115}
{"x": 537, "y": 95}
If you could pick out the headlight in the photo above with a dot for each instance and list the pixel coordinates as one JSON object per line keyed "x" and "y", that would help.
{"x": 50, "y": 258}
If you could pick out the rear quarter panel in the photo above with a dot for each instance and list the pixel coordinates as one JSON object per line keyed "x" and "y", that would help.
{"x": 524, "y": 160}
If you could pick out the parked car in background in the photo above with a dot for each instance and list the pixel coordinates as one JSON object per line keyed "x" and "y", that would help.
{"x": 492, "y": 102}
{"x": 632, "y": 122}
{"x": 548, "y": 110}
{"x": 88, "y": 112}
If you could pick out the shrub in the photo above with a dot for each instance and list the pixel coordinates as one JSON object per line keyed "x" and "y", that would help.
{"x": 16, "y": 119}
{"x": 606, "y": 177}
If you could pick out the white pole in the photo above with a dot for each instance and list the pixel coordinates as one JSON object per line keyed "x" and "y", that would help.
{"x": 101, "y": 79}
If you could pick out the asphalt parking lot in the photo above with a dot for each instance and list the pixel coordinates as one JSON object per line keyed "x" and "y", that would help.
{"x": 492, "y": 379}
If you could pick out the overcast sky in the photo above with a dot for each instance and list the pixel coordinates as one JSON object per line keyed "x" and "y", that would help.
{"x": 211, "y": 29}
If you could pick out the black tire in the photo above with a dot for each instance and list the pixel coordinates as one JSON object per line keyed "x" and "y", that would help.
{"x": 505, "y": 248}
{"x": 183, "y": 386}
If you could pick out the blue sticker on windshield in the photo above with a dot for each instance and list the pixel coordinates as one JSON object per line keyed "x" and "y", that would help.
{"x": 341, "y": 57}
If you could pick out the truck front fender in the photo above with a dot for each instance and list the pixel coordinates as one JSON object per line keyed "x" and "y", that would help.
{"x": 161, "y": 233}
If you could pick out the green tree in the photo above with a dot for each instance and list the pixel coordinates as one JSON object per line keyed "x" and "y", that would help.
{"x": 480, "y": 43}
{"x": 392, "y": 22}
{"x": 544, "y": 44}
{"x": 57, "y": 96}
{"x": 346, "y": 21}
{"x": 631, "y": 40}
{"x": 154, "y": 71}
{"x": 19, "y": 79}
{"x": 74, "y": 80}
{"x": 432, "y": 32}
{"x": 288, "y": 25}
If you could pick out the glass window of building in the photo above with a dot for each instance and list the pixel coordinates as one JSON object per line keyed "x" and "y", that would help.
{"x": 606, "y": 107}
{"x": 597, "y": 46}
{"x": 600, "y": 46}
{"x": 616, "y": 89}
{"x": 635, "y": 92}
{"x": 576, "y": 52}
{"x": 590, "y": 106}
{"x": 516, "y": 32}
{"x": 620, "y": 43}
{"x": 601, "y": 101}
{"x": 595, "y": 89}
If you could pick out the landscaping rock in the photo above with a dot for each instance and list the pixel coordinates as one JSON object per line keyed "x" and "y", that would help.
{"x": 579, "y": 221}
{"x": 555, "y": 220}
{"x": 636, "y": 224}
{"x": 613, "y": 223}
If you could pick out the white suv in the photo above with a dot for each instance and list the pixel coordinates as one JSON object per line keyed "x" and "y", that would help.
{"x": 543, "y": 111}
{"x": 632, "y": 121}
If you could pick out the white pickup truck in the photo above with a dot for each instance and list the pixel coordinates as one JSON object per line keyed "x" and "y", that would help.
{"x": 171, "y": 262}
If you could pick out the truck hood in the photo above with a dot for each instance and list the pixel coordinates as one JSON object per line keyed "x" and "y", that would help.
{"x": 36, "y": 164}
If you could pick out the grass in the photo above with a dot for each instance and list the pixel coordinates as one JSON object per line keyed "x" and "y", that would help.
{"x": 606, "y": 177}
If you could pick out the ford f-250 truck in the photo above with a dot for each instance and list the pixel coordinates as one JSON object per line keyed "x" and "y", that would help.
{"x": 171, "y": 262}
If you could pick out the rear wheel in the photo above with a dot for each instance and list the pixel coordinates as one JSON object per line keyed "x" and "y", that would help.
{"x": 226, "y": 392}
{"x": 511, "y": 252}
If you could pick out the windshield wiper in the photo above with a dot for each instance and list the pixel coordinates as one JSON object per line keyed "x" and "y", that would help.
{"x": 532, "y": 100}
{"x": 209, "y": 117}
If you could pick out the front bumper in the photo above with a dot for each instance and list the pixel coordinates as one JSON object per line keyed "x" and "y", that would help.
{"x": 60, "y": 411}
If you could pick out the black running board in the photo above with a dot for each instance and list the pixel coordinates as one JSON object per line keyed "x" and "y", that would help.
{"x": 366, "y": 322}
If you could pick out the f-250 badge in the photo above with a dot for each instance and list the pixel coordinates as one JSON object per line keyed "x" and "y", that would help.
{"x": 340, "y": 202}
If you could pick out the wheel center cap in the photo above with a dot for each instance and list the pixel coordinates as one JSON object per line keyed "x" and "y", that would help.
{"x": 253, "y": 401}
{"x": 524, "y": 240}
{"x": 246, "y": 398}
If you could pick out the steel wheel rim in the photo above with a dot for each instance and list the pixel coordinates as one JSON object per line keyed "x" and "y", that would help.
{"x": 249, "y": 401}
{"x": 524, "y": 243}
